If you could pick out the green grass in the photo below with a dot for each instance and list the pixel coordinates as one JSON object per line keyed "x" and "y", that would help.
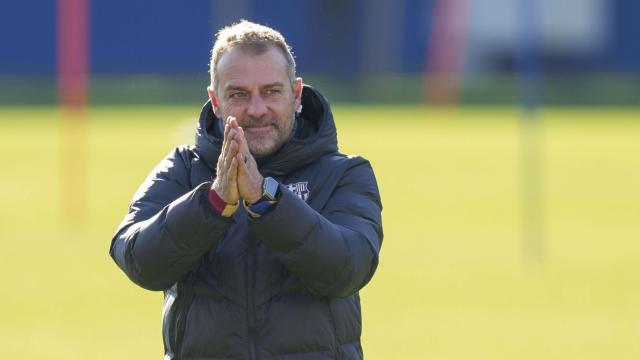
{"x": 453, "y": 282}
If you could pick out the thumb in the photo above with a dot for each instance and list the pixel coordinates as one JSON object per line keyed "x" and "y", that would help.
{"x": 242, "y": 165}
{"x": 244, "y": 145}
{"x": 233, "y": 170}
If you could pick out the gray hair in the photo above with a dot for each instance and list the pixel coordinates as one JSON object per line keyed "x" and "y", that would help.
{"x": 253, "y": 38}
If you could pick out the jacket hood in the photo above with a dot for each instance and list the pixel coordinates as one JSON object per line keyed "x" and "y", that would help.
{"x": 314, "y": 136}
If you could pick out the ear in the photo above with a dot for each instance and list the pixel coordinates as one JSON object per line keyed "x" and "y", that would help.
{"x": 297, "y": 93}
{"x": 214, "y": 101}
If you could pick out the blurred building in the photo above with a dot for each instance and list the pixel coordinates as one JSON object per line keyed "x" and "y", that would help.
{"x": 376, "y": 50}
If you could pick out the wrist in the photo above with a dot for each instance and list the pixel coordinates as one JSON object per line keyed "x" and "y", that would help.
{"x": 253, "y": 199}
{"x": 256, "y": 194}
{"x": 220, "y": 205}
{"x": 216, "y": 188}
{"x": 267, "y": 200}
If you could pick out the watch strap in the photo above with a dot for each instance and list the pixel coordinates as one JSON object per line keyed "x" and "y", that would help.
{"x": 260, "y": 208}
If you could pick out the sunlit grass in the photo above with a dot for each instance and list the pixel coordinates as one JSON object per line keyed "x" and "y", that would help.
{"x": 453, "y": 281}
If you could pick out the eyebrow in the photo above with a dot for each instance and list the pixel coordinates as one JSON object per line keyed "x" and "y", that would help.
{"x": 233, "y": 87}
{"x": 274, "y": 84}
{"x": 242, "y": 88}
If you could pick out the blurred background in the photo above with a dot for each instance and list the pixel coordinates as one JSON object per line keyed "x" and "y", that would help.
{"x": 505, "y": 136}
{"x": 361, "y": 51}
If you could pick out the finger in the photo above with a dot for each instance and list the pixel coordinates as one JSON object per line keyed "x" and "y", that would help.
{"x": 227, "y": 141}
{"x": 229, "y": 133}
{"x": 249, "y": 178}
{"x": 242, "y": 163}
{"x": 232, "y": 150}
{"x": 226, "y": 130}
{"x": 244, "y": 149}
{"x": 244, "y": 145}
{"x": 233, "y": 122}
{"x": 245, "y": 166}
{"x": 232, "y": 175}
{"x": 224, "y": 159}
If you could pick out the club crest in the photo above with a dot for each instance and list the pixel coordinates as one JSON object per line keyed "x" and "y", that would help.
{"x": 301, "y": 189}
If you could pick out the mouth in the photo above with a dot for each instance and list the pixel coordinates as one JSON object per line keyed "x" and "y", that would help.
{"x": 259, "y": 128}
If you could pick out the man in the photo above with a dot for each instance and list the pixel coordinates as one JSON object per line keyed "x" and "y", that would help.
{"x": 266, "y": 260}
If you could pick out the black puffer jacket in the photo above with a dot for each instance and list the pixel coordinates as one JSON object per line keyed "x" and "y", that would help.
{"x": 284, "y": 286}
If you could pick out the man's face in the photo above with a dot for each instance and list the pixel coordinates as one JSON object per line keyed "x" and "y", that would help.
{"x": 256, "y": 90}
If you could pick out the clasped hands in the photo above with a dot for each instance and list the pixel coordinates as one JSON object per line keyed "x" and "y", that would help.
{"x": 237, "y": 171}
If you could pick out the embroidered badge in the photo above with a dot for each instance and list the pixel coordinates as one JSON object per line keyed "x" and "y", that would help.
{"x": 301, "y": 189}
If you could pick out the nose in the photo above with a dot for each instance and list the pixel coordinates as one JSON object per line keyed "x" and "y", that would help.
{"x": 257, "y": 107}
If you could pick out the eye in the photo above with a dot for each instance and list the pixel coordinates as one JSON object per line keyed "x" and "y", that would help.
{"x": 271, "y": 92}
{"x": 237, "y": 95}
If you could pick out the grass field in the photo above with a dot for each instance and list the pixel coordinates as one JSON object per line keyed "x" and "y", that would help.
{"x": 453, "y": 283}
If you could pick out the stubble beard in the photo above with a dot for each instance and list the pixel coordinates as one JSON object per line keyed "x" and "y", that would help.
{"x": 266, "y": 144}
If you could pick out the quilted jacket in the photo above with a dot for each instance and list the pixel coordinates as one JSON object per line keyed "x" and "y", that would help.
{"x": 284, "y": 286}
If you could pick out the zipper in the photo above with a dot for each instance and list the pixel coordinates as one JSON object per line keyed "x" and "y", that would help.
{"x": 184, "y": 300}
{"x": 168, "y": 310}
{"x": 250, "y": 280}
{"x": 336, "y": 349}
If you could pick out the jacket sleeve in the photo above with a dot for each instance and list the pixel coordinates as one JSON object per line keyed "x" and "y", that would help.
{"x": 335, "y": 252}
{"x": 168, "y": 227}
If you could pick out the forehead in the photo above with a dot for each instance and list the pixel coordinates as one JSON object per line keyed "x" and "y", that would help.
{"x": 244, "y": 67}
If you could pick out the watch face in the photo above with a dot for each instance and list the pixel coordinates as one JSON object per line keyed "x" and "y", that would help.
{"x": 270, "y": 188}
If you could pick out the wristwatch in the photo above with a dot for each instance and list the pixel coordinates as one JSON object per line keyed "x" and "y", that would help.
{"x": 270, "y": 193}
{"x": 270, "y": 189}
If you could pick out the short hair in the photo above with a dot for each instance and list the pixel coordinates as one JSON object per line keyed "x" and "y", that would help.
{"x": 251, "y": 37}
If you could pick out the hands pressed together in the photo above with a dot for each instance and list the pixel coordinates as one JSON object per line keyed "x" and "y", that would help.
{"x": 237, "y": 171}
